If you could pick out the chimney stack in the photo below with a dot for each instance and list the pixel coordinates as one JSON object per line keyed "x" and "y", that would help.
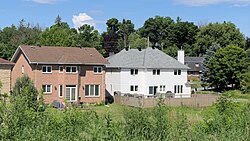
{"x": 180, "y": 56}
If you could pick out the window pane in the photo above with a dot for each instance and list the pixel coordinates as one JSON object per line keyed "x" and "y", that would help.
{"x": 164, "y": 87}
{"x": 73, "y": 69}
{"x": 68, "y": 69}
{"x": 44, "y": 69}
{"x": 96, "y": 90}
{"x": 179, "y": 72}
{"x": 91, "y": 90}
{"x": 67, "y": 93}
{"x": 181, "y": 89}
{"x": 60, "y": 90}
{"x": 95, "y": 69}
{"x": 48, "y": 69}
{"x": 73, "y": 94}
{"x": 86, "y": 90}
{"x": 131, "y": 88}
{"x": 99, "y": 69}
{"x": 132, "y": 71}
{"x": 175, "y": 72}
{"x": 154, "y": 72}
{"x": 158, "y": 72}
{"x": 61, "y": 69}
{"x": 44, "y": 88}
{"x": 151, "y": 90}
{"x": 136, "y": 88}
{"x": 174, "y": 88}
{"x": 136, "y": 71}
{"x": 48, "y": 88}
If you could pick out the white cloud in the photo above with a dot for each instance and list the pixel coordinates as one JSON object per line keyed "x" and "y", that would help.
{"x": 209, "y": 2}
{"x": 46, "y": 1}
{"x": 82, "y": 19}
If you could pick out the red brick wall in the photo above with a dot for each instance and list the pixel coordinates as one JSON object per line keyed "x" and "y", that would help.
{"x": 86, "y": 76}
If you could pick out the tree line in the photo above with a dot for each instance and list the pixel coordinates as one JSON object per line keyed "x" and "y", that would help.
{"x": 227, "y": 66}
{"x": 163, "y": 32}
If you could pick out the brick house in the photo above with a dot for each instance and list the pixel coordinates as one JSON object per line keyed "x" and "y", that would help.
{"x": 74, "y": 74}
{"x": 5, "y": 75}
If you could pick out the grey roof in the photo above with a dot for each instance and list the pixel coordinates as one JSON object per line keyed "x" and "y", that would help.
{"x": 146, "y": 58}
{"x": 195, "y": 63}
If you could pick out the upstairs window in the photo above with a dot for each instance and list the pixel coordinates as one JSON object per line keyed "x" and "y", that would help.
{"x": 156, "y": 71}
{"x": 177, "y": 72}
{"x": 134, "y": 71}
{"x": 47, "y": 69}
{"x": 97, "y": 69}
{"x": 61, "y": 69}
{"x": 71, "y": 69}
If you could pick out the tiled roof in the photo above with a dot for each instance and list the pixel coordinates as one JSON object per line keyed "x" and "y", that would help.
{"x": 194, "y": 63}
{"x": 61, "y": 55}
{"x": 146, "y": 58}
{"x": 5, "y": 62}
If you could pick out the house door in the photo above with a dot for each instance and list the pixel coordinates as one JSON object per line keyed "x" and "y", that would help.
{"x": 71, "y": 93}
{"x": 153, "y": 90}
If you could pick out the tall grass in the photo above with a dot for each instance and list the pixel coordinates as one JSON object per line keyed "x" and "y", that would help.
{"x": 227, "y": 121}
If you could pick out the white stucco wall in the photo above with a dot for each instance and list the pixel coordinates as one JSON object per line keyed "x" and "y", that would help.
{"x": 121, "y": 80}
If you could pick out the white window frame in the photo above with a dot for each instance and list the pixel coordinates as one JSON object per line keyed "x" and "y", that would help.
{"x": 178, "y": 89}
{"x": 59, "y": 90}
{"x": 134, "y": 88}
{"x": 22, "y": 69}
{"x": 46, "y": 88}
{"x": 156, "y": 72}
{"x": 70, "y": 96}
{"x": 133, "y": 72}
{"x": 97, "y": 68}
{"x": 177, "y": 71}
{"x": 46, "y": 69}
{"x": 70, "y": 69}
{"x": 94, "y": 95}
{"x": 162, "y": 88}
{"x": 60, "y": 69}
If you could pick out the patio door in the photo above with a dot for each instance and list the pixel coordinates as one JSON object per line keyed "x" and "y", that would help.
{"x": 71, "y": 93}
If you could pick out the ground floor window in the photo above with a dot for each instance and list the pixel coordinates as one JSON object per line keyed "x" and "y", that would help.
{"x": 162, "y": 88}
{"x": 47, "y": 88}
{"x": 153, "y": 89}
{"x": 134, "y": 88}
{"x": 60, "y": 91}
{"x": 178, "y": 88}
{"x": 92, "y": 90}
{"x": 70, "y": 93}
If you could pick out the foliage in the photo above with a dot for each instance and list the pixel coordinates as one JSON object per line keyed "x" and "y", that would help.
{"x": 226, "y": 66}
{"x": 135, "y": 41}
{"x": 24, "y": 93}
{"x": 223, "y": 34}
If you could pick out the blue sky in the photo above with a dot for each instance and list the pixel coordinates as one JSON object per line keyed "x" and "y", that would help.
{"x": 97, "y": 12}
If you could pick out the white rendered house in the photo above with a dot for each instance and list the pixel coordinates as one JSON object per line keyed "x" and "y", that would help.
{"x": 147, "y": 71}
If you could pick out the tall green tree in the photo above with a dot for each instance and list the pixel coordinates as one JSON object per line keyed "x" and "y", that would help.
{"x": 125, "y": 29}
{"x": 223, "y": 34}
{"x": 135, "y": 41}
{"x": 226, "y": 67}
{"x": 159, "y": 30}
{"x": 89, "y": 37}
{"x": 59, "y": 34}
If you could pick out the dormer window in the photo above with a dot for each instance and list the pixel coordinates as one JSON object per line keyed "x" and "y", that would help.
{"x": 197, "y": 65}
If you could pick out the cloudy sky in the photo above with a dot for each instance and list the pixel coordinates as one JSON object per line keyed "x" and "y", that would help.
{"x": 97, "y": 12}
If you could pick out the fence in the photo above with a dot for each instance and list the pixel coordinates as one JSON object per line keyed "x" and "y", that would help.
{"x": 196, "y": 100}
